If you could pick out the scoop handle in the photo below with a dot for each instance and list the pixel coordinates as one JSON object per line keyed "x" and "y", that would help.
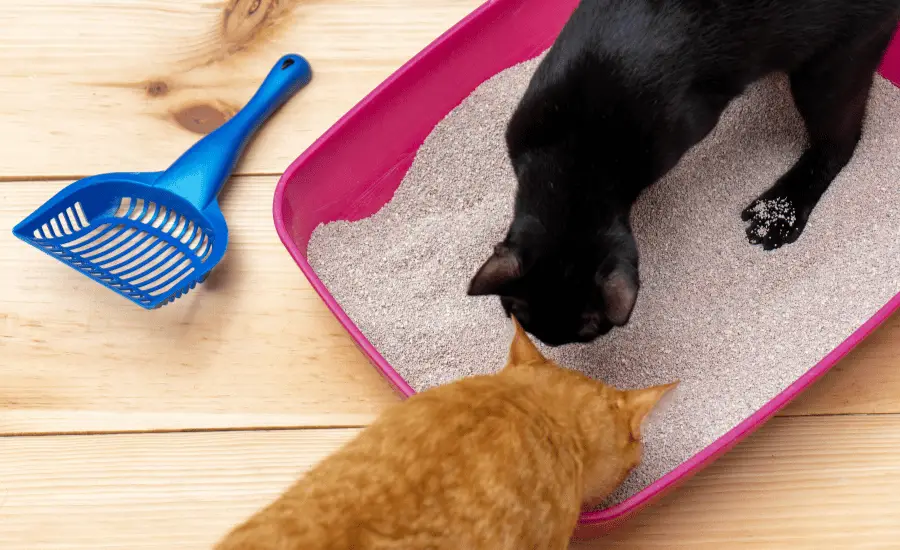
{"x": 202, "y": 170}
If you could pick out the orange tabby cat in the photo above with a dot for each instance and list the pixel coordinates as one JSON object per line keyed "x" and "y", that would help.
{"x": 496, "y": 462}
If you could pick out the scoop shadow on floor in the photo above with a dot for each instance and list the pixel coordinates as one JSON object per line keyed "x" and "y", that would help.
{"x": 221, "y": 278}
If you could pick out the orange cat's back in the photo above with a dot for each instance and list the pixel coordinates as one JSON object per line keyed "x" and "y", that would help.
{"x": 464, "y": 461}
{"x": 496, "y": 462}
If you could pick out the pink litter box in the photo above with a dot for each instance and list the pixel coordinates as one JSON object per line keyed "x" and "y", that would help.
{"x": 355, "y": 167}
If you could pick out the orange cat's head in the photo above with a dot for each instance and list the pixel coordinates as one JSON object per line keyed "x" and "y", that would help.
{"x": 605, "y": 420}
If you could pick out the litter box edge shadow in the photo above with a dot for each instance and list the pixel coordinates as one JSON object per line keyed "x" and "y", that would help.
{"x": 353, "y": 169}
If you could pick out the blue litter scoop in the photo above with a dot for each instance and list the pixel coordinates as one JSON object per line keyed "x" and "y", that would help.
{"x": 152, "y": 236}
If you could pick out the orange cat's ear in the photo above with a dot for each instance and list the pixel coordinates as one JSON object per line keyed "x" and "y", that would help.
{"x": 522, "y": 350}
{"x": 640, "y": 402}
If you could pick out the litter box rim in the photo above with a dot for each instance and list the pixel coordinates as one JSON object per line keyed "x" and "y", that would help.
{"x": 594, "y": 523}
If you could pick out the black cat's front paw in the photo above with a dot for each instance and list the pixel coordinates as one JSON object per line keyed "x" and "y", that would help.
{"x": 774, "y": 222}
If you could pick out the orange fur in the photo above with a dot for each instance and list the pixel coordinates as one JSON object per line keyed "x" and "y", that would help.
{"x": 496, "y": 462}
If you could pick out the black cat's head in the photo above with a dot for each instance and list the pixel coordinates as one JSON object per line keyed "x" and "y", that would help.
{"x": 568, "y": 266}
{"x": 563, "y": 290}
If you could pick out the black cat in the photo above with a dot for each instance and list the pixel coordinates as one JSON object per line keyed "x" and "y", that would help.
{"x": 626, "y": 89}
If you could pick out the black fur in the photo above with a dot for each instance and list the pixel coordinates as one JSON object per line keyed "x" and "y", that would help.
{"x": 627, "y": 88}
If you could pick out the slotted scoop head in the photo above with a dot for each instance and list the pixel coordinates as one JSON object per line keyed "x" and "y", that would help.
{"x": 134, "y": 238}
{"x": 152, "y": 236}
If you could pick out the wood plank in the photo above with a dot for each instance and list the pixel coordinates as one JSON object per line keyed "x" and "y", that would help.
{"x": 866, "y": 381}
{"x": 814, "y": 482}
{"x": 811, "y": 482}
{"x": 135, "y": 491}
{"x": 97, "y": 87}
{"x": 254, "y": 347}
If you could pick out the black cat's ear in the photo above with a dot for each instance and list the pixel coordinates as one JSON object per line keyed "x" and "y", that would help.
{"x": 502, "y": 268}
{"x": 619, "y": 290}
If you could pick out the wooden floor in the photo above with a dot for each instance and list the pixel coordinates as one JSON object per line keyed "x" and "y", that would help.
{"x": 127, "y": 429}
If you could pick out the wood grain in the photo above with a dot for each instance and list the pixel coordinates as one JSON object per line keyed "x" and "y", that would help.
{"x": 820, "y": 482}
{"x": 94, "y": 87}
{"x": 137, "y": 491}
{"x": 253, "y": 346}
{"x": 813, "y": 482}
{"x": 866, "y": 381}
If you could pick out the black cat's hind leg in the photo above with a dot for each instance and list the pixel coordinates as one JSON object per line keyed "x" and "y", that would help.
{"x": 831, "y": 91}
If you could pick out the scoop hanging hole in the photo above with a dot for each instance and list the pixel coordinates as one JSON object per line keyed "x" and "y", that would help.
{"x": 286, "y": 63}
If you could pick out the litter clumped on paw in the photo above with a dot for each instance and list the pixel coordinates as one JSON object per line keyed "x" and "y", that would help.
{"x": 734, "y": 326}
{"x": 770, "y": 212}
